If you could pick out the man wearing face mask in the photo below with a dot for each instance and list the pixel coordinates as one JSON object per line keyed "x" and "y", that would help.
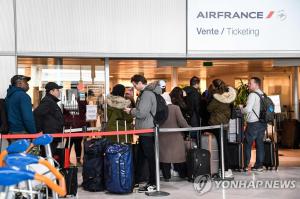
{"x": 18, "y": 106}
{"x": 48, "y": 115}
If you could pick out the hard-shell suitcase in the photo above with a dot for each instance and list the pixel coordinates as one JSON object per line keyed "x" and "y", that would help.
{"x": 93, "y": 164}
{"x": 236, "y": 159}
{"x": 198, "y": 163}
{"x": 118, "y": 168}
{"x": 236, "y": 151}
{"x": 271, "y": 152}
{"x": 209, "y": 142}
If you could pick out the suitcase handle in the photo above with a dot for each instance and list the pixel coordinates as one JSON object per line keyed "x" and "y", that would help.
{"x": 125, "y": 128}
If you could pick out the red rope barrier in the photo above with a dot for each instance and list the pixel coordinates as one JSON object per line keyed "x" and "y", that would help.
{"x": 84, "y": 134}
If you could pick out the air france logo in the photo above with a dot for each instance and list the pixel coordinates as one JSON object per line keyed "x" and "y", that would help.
{"x": 281, "y": 15}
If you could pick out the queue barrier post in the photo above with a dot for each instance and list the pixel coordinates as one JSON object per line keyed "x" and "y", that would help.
{"x": 158, "y": 192}
{"x": 222, "y": 177}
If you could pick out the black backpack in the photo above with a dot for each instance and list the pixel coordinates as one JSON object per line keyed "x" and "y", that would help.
{"x": 267, "y": 109}
{"x": 162, "y": 110}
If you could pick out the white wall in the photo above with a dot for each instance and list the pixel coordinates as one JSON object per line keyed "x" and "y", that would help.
{"x": 7, "y": 70}
{"x": 7, "y": 45}
{"x": 101, "y": 27}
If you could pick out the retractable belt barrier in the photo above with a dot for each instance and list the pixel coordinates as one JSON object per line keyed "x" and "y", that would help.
{"x": 155, "y": 130}
{"x": 83, "y": 134}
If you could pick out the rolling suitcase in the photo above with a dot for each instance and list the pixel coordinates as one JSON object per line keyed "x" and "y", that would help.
{"x": 271, "y": 152}
{"x": 93, "y": 165}
{"x": 236, "y": 159}
{"x": 70, "y": 175}
{"x": 236, "y": 152}
{"x": 209, "y": 142}
{"x": 118, "y": 168}
{"x": 198, "y": 163}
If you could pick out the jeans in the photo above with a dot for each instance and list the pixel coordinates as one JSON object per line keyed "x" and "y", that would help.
{"x": 147, "y": 150}
{"x": 255, "y": 132}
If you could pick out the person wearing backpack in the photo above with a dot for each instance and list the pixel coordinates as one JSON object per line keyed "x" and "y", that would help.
{"x": 145, "y": 114}
{"x": 255, "y": 127}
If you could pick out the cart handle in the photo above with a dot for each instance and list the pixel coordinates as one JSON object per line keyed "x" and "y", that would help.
{"x": 18, "y": 146}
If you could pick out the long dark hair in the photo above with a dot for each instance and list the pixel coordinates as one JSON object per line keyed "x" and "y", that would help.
{"x": 177, "y": 97}
{"x": 219, "y": 86}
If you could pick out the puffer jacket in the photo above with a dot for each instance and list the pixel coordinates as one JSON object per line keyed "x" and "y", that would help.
{"x": 219, "y": 107}
{"x": 115, "y": 111}
{"x": 145, "y": 105}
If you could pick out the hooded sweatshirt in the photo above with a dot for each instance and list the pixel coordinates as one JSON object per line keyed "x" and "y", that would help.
{"x": 145, "y": 105}
{"x": 19, "y": 111}
{"x": 219, "y": 107}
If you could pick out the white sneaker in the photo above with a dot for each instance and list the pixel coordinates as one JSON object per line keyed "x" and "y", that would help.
{"x": 228, "y": 174}
{"x": 174, "y": 173}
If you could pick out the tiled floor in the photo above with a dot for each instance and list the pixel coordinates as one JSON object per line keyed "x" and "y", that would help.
{"x": 289, "y": 170}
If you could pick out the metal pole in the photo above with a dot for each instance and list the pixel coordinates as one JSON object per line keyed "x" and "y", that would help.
{"x": 49, "y": 158}
{"x": 296, "y": 93}
{"x": 222, "y": 151}
{"x": 157, "y": 192}
{"x": 29, "y": 185}
{"x": 106, "y": 72}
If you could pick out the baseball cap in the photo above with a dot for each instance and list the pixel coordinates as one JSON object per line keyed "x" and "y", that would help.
{"x": 16, "y": 78}
{"x": 52, "y": 85}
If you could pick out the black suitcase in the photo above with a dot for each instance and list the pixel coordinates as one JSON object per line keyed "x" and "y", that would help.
{"x": 236, "y": 158}
{"x": 71, "y": 179}
{"x": 236, "y": 149}
{"x": 271, "y": 153}
{"x": 93, "y": 165}
{"x": 198, "y": 163}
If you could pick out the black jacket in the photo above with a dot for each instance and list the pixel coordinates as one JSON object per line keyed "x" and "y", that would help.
{"x": 48, "y": 115}
{"x": 192, "y": 100}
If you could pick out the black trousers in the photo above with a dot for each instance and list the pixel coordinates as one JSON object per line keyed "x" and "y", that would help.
{"x": 216, "y": 132}
{"x": 179, "y": 167}
{"x": 146, "y": 145}
{"x": 77, "y": 142}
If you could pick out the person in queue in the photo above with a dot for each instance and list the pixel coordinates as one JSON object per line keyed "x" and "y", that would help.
{"x": 255, "y": 130}
{"x": 220, "y": 111}
{"x": 145, "y": 109}
{"x": 116, "y": 104}
{"x": 48, "y": 115}
{"x": 18, "y": 106}
{"x": 171, "y": 144}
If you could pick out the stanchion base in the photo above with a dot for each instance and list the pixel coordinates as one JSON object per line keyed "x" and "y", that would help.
{"x": 157, "y": 193}
{"x": 223, "y": 179}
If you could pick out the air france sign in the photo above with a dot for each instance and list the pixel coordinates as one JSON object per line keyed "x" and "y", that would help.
{"x": 249, "y": 28}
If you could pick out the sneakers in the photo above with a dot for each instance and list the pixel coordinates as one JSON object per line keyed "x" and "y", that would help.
{"x": 258, "y": 169}
{"x": 147, "y": 188}
{"x": 228, "y": 174}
